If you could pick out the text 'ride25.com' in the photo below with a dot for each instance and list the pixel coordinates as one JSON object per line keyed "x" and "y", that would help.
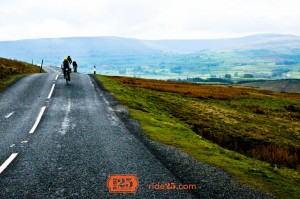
{"x": 128, "y": 183}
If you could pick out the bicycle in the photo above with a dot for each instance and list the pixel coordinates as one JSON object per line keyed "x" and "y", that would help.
{"x": 67, "y": 75}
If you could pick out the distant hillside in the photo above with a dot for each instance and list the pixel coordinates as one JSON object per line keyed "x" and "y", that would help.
{"x": 263, "y": 56}
{"x": 118, "y": 45}
{"x": 263, "y": 41}
{"x": 77, "y": 47}
{"x": 278, "y": 85}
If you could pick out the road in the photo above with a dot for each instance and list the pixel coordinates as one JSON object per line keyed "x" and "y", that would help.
{"x": 63, "y": 141}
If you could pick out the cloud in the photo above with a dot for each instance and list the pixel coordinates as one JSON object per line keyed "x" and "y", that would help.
{"x": 150, "y": 19}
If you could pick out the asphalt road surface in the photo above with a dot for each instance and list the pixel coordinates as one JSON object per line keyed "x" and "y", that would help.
{"x": 77, "y": 143}
{"x": 63, "y": 141}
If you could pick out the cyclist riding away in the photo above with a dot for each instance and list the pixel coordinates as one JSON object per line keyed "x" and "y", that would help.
{"x": 69, "y": 59}
{"x": 74, "y": 66}
{"x": 65, "y": 65}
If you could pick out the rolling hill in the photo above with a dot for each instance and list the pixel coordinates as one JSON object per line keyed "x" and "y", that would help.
{"x": 287, "y": 85}
{"x": 274, "y": 42}
{"x": 266, "y": 55}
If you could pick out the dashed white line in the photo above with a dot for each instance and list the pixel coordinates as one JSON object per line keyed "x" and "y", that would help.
{"x": 49, "y": 96}
{"x": 7, "y": 162}
{"x": 38, "y": 119}
{"x": 8, "y": 115}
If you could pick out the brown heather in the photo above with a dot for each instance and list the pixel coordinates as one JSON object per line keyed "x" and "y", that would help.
{"x": 228, "y": 127}
{"x": 12, "y": 67}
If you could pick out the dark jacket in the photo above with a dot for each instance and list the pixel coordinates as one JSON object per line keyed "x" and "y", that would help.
{"x": 74, "y": 63}
{"x": 69, "y": 59}
{"x": 66, "y": 64}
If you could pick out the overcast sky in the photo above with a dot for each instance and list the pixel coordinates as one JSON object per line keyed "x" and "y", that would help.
{"x": 147, "y": 19}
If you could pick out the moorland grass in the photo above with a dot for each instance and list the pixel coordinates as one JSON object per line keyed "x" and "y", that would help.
{"x": 254, "y": 135}
{"x": 10, "y": 70}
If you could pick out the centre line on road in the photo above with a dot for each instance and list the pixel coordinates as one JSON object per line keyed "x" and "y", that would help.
{"x": 38, "y": 119}
{"x": 8, "y": 115}
{"x": 7, "y": 162}
{"x": 49, "y": 96}
{"x": 56, "y": 77}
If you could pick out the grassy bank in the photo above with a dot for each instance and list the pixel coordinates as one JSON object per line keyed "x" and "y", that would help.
{"x": 254, "y": 135}
{"x": 10, "y": 70}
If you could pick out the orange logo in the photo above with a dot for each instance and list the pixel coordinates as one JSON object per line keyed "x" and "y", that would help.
{"x": 122, "y": 183}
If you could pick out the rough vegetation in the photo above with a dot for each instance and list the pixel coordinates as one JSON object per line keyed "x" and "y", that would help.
{"x": 253, "y": 134}
{"x": 259, "y": 124}
{"x": 12, "y": 69}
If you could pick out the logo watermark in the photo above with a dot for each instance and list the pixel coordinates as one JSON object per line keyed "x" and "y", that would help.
{"x": 122, "y": 183}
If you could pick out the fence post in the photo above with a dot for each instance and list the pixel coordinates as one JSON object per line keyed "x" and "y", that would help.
{"x": 41, "y": 65}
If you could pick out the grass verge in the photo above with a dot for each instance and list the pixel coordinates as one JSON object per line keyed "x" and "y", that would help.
{"x": 11, "y": 70}
{"x": 168, "y": 117}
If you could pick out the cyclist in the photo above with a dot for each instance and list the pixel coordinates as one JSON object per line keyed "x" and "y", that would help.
{"x": 69, "y": 59}
{"x": 74, "y": 66}
{"x": 65, "y": 65}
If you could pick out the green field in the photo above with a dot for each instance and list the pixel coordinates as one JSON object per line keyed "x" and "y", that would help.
{"x": 204, "y": 64}
{"x": 252, "y": 134}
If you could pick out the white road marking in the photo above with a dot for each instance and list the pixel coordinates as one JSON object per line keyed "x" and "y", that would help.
{"x": 38, "y": 119}
{"x": 8, "y": 115}
{"x": 52, "y": 89}
{"x": 56, "y": 77}
{"x": 66, "y": 122}
{"x": 24, "y": 142}
{"x": 7, "y": 162}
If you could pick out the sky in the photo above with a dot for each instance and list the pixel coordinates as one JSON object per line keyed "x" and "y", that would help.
{"x": 147, "y": 19}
